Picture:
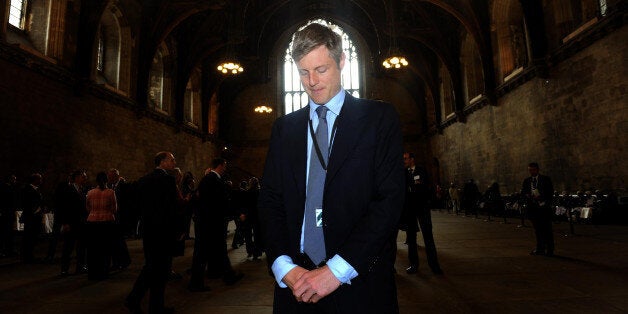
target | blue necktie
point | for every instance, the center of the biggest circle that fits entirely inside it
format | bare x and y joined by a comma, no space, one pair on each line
313,238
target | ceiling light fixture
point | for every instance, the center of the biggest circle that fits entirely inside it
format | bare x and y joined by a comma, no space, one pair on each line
395,59
230,67
234,37
263,109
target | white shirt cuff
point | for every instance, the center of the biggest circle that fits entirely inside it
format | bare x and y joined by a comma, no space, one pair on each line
281,266
341,269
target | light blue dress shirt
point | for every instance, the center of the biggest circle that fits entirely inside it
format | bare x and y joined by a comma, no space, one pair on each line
338,266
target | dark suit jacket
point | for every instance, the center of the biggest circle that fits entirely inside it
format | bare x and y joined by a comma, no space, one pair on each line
213,202
31,200
71,208
364,186
157,197
546,191
417,196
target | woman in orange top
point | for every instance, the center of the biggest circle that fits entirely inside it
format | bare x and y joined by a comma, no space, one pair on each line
101,206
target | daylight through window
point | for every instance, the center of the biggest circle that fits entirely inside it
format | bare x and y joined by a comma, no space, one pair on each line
295,97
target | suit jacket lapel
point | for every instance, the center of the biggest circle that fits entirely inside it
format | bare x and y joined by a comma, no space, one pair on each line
297,147
347,134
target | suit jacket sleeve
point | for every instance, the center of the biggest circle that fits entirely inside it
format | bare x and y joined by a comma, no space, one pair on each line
270,202
371,237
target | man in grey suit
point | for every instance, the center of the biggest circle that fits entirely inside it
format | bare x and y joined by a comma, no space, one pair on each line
331,200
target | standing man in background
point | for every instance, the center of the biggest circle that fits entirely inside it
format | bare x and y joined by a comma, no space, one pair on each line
210,246
538,192
331,199
8,198
157,198
31,216
416,207
71,214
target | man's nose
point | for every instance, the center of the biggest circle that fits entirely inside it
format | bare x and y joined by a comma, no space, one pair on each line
313,78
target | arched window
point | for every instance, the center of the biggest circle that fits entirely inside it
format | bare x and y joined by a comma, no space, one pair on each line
471,63
17,13
603,7
155,90
113,50
295,97
446,90
192,100
41,25
511,33
160,89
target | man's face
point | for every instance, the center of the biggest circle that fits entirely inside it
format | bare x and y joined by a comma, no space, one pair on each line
80,179
408,161
534,171
113,176
221,169
38,181
320,75
169,163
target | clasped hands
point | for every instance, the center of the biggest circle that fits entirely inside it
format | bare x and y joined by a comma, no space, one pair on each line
310,286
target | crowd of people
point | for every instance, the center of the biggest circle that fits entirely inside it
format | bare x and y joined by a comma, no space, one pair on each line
92,222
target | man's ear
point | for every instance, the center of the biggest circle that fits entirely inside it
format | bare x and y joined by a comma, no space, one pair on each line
341,64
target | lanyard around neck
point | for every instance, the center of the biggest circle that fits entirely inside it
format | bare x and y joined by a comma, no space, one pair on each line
317,148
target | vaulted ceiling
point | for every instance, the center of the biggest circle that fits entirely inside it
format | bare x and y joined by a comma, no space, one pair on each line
427,31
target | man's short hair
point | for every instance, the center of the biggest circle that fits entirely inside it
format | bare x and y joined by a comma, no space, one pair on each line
311,37
217,162
76,173
533,165
410,155
34,177
161,156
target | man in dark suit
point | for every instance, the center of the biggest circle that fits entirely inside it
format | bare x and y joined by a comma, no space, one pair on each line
416,207
157,197
348,178
210,246
8,200
71,214
538,192
120,257
31,216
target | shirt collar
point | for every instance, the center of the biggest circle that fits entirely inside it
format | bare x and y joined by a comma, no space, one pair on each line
334,105
218,174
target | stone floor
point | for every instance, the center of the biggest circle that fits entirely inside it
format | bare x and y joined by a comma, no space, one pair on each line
486,263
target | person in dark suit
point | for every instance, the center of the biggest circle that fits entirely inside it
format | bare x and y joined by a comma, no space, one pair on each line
31,201
157,198
416,208
120,257
210,246
348,177
72,213
8,200
538,192
470,195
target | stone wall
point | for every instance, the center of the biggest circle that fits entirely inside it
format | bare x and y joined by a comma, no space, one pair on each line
46,127
574,123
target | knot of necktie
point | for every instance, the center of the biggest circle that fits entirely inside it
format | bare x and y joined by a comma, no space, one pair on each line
321,111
